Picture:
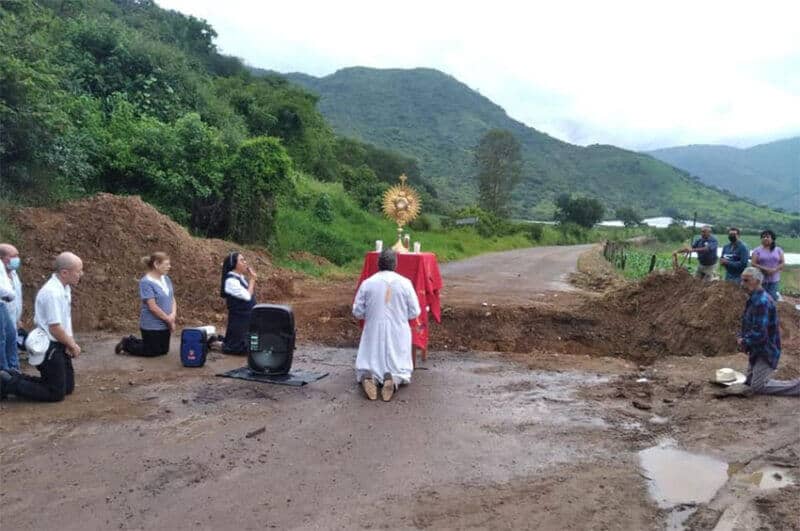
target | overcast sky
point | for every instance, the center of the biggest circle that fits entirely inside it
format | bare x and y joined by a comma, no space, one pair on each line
636,74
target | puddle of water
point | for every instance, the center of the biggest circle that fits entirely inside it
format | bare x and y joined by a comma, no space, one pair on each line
769,477
680,480
680,477
678,516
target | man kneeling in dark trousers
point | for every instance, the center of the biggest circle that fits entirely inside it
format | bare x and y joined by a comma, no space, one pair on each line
53,314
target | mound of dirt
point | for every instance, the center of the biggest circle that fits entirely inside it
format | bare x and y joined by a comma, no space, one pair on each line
675,313
664,314
111,234
595,273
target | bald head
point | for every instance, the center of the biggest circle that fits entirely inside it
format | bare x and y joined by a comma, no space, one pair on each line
69,268
7,251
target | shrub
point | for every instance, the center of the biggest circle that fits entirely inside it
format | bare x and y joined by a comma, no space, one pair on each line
676,232
423,222
335,248
323,209
535,232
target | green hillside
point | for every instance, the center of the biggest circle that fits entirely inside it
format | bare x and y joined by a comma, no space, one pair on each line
767,173
124,97
437,119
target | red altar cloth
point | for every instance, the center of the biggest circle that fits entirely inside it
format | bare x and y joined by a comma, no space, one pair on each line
422,270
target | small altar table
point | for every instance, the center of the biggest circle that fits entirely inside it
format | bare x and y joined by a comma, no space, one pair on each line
422,270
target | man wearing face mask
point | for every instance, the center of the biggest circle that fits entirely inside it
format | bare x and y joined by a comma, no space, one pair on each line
734,257
11,308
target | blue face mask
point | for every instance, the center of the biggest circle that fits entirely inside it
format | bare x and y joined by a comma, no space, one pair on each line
14,263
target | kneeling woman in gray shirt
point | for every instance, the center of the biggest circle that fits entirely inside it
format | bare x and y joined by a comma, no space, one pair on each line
157,314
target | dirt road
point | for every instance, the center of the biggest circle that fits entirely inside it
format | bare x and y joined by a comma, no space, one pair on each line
513,277
519,440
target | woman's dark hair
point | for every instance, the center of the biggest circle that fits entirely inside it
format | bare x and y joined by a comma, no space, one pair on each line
155,258
227,266
771,235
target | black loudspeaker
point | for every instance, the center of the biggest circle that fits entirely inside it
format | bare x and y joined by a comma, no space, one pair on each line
272,337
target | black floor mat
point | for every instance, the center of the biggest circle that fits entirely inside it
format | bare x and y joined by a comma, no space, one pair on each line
294,378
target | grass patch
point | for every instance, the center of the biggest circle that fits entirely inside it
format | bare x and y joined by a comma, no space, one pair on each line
790,281
8,232
789,245
340,232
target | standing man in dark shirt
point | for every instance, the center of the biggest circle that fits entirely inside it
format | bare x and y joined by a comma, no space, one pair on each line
706,248
734,256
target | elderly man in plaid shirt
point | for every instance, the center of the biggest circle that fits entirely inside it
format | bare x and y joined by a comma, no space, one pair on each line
760,338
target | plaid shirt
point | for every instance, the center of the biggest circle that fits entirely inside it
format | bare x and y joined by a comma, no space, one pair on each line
760,329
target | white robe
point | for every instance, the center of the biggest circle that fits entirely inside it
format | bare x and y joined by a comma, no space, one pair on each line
386,301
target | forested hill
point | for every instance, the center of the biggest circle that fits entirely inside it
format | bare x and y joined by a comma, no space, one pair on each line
768,173
122,96
434,117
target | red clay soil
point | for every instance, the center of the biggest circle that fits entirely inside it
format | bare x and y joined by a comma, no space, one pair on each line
111,234
665,314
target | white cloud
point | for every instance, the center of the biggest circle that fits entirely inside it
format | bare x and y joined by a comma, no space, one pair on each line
631,73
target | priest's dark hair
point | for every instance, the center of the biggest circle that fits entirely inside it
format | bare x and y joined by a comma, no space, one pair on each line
387,261
227,267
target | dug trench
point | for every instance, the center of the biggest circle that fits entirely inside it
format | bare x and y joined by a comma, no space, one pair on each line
524,413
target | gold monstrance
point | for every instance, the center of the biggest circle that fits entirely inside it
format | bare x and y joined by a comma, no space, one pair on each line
401,203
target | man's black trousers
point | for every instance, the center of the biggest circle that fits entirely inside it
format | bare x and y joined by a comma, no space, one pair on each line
56,381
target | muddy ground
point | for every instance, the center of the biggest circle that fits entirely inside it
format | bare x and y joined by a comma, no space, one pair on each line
529,414
478,440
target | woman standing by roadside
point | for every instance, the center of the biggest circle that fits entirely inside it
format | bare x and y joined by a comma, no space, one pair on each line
158,310
239,295
769,259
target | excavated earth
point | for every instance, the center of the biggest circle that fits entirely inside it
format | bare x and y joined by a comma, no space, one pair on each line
529,413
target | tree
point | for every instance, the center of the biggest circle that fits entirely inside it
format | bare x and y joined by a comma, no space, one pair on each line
499,169
629,216
259,173
582,211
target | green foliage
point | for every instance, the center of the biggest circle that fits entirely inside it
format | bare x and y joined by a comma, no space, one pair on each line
259,174
498,162
367,171
488,224
422,223
125,97
8,232
629,216
171,164
323,209
535,232
676,232
581,211
363,186
354,231
638,260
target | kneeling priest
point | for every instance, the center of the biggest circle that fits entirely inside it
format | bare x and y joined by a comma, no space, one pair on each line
386,301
